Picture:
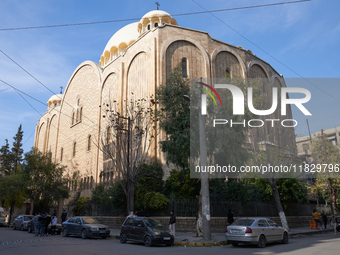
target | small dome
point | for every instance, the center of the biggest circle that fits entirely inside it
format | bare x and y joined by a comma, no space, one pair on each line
55,99
154,19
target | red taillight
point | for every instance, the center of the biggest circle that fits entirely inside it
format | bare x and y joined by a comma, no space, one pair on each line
248,230
226,229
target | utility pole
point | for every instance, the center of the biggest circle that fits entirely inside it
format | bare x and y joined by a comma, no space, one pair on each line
204,176
328,179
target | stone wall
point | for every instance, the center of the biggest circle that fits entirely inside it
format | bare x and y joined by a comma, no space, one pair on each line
218,224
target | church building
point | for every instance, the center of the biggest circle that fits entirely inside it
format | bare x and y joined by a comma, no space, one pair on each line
138,58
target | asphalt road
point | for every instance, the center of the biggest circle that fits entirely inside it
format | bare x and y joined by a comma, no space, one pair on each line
16,242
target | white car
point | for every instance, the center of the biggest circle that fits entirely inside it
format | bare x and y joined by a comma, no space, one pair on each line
259,231
21,222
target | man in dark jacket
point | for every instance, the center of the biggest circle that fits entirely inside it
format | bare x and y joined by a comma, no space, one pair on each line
172,223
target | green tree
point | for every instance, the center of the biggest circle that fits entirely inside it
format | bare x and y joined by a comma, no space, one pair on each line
180,186
44,177
5,159
327,182
17,151
173,115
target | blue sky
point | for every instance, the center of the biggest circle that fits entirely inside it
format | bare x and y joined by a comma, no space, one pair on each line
299,40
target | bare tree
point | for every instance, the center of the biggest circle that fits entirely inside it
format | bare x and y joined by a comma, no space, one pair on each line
127,141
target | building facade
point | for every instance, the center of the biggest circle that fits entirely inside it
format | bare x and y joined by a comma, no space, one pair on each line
138,58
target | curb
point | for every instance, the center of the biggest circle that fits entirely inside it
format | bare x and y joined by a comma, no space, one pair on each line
203,244
190,244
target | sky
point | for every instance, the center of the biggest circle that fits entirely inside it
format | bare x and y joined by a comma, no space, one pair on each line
298,40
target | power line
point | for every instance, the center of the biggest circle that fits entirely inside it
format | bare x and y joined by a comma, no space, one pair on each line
136,19
269,53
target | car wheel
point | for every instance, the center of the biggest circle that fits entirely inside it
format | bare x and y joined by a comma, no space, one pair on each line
285,238
104,237
262,242
122,238
147,241
234,244
65,232
170,244
84,233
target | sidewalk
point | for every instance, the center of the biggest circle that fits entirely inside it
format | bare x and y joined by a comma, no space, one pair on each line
218,239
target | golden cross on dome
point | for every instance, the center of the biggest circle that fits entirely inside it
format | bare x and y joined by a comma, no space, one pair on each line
61,89
157,5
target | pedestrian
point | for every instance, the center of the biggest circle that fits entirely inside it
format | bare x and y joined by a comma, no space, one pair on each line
141,213
36,224
316,217
47,222
324,219
172,223
230,216
63,216
42,220
54,224
334,223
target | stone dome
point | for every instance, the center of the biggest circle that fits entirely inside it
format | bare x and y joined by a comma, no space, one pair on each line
55,100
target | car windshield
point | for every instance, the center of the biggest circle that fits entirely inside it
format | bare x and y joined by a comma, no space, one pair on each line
90,221
243,222
153,223
27,218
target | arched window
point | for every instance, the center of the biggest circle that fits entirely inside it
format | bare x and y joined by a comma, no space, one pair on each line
184,68
156,24
81,114
61,153
74,149
149,27
72,118
227,72
77,116
89,143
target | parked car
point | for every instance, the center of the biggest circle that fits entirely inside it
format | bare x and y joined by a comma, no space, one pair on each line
145,230
85,227
258,231
21,221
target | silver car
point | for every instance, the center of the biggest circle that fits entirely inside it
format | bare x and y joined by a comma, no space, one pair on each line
259,231
21,222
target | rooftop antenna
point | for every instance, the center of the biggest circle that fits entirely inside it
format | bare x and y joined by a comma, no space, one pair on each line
157,5
61,89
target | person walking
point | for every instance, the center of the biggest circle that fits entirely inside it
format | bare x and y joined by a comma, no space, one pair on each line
334,223
54,224
42,220
63,216
230,216
324,219
36,224
47,222
172,223
316,217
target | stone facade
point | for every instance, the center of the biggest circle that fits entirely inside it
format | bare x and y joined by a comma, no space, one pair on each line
71,129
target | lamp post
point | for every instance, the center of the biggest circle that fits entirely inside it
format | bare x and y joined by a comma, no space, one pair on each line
204,177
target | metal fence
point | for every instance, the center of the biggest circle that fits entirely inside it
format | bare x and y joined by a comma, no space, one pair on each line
218,208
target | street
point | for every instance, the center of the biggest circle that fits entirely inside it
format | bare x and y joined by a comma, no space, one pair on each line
15,242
